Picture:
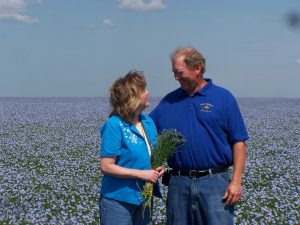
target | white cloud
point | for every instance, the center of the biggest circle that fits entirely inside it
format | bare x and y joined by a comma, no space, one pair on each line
108,23
18,18
14,10
140,5
298,61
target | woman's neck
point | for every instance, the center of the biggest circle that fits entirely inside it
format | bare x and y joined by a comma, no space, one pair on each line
136,119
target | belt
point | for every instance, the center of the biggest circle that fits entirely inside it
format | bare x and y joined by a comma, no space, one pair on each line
198,173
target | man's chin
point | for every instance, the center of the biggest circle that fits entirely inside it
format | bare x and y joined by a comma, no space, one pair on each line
184,88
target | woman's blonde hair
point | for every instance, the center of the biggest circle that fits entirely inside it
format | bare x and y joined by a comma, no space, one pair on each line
125,94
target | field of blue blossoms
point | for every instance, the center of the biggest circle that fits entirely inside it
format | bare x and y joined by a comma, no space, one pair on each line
49,161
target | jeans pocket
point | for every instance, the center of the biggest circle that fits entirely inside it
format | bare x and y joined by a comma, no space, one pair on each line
224,177
173,179
102,205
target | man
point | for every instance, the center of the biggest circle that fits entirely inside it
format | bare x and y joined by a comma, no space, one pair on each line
200,190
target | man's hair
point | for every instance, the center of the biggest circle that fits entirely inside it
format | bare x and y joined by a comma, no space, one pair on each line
192,58
125,94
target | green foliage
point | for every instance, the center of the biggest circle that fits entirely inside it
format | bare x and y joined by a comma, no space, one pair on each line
167,142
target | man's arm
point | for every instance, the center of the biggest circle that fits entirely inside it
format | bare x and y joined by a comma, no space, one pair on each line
233,192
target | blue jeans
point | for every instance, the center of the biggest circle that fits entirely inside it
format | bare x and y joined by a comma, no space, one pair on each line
113,212
198,201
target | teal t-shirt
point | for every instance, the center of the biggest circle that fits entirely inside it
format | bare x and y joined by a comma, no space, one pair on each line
121,139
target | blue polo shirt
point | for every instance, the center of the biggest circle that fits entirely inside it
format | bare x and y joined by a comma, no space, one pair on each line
210,121
123,140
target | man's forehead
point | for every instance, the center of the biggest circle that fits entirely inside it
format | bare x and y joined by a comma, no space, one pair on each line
179,59
179,65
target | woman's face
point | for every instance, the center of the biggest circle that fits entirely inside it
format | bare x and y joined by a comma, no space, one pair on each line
144,99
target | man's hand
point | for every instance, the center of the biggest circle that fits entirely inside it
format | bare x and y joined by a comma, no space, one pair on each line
233,193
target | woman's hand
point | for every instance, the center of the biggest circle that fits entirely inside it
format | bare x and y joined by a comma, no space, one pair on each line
152,175
149,175
108,166
161,170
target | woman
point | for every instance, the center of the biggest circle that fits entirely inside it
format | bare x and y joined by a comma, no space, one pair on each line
128,137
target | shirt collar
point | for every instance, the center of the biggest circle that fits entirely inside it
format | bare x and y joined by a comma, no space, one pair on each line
203,91
144,119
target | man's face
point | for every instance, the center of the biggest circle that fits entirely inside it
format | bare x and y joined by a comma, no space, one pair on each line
189,79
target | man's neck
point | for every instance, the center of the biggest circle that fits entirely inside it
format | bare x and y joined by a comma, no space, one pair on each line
200,85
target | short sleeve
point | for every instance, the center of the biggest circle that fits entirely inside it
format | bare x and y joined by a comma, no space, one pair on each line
236,127
111,137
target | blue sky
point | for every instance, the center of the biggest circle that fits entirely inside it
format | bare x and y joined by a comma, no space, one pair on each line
51,48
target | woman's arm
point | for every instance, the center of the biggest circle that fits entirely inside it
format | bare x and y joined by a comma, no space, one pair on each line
108,166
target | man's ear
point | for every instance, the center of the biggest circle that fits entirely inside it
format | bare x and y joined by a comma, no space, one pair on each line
199,70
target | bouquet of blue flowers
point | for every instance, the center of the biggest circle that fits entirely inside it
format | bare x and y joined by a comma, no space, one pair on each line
167,142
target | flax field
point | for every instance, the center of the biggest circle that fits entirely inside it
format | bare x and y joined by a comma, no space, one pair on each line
49,152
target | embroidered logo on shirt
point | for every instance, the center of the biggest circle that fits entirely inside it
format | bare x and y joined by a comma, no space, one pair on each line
128,134
206,107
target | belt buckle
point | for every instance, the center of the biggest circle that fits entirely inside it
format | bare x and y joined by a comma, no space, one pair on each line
192,173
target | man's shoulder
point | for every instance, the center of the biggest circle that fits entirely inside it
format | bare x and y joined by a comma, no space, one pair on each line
173,95
164,103
221,91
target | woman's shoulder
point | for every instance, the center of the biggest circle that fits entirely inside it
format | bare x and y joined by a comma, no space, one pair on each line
112,122
114,119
